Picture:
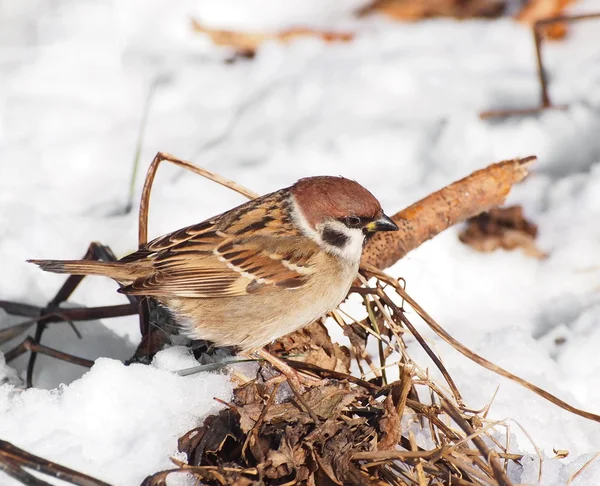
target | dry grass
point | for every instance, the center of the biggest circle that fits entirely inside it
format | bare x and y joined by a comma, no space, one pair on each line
351,429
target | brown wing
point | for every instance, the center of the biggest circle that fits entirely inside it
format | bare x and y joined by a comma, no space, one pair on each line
204,262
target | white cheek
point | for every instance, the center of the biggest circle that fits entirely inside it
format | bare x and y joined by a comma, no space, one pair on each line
353,248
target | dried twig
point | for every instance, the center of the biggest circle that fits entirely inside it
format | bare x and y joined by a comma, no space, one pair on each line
14,461
538,36
474,356
145,200
480,191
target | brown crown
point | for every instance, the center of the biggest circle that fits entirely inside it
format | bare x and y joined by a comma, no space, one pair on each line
325,197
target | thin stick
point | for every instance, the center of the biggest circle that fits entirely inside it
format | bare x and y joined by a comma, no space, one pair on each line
145,200
499,473
430,353
419,464
336,375
21,458
538,39
263,413
375,326
474,356
537,449
30,345
585,466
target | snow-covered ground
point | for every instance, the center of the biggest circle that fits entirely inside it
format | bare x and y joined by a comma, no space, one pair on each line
396,109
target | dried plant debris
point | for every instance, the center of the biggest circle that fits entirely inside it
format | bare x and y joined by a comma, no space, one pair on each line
246,43
419,9
313,345
535,10
530,11
505,228
366,428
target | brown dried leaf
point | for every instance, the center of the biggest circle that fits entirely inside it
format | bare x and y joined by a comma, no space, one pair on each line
389,425
281,461
357,336
248,393
504,228
315,347
242,481
336,458
248,42
218,437
418,9
326,402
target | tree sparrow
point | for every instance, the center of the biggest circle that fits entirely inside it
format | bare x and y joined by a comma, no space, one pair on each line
258,271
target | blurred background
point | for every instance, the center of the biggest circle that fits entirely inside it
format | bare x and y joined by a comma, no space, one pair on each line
404,96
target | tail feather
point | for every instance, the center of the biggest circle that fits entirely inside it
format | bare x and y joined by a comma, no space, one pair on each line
115,270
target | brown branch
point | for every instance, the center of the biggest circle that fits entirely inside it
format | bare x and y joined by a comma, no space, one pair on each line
468,197
145,199
13,460
29,344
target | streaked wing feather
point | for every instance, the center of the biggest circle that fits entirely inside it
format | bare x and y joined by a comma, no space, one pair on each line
236,267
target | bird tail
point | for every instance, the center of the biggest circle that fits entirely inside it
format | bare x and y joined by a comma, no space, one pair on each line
115,270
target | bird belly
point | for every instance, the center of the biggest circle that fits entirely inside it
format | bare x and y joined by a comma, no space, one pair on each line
254,320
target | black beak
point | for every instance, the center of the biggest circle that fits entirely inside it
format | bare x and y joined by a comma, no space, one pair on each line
384,223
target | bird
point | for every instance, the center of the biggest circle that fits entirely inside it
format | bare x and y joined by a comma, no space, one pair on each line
258,271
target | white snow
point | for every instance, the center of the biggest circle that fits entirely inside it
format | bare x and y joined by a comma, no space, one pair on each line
117,423
396,109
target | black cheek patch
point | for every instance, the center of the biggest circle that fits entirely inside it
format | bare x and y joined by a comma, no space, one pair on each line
334,238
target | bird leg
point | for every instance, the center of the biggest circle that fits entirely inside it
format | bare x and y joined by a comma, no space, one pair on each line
295,378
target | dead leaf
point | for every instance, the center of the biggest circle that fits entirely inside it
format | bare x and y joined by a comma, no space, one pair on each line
217,438
389,425
246,43
418,9
504,228
314,346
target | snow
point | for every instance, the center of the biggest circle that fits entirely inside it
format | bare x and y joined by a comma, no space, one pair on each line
396,109
117,423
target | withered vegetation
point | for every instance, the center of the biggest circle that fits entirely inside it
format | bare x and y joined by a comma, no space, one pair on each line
545,16
356,428
505,228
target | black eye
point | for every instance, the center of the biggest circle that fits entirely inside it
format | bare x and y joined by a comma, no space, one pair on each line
352,221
